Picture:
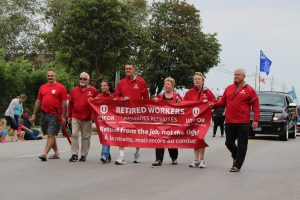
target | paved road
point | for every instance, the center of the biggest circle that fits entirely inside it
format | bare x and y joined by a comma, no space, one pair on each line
271,171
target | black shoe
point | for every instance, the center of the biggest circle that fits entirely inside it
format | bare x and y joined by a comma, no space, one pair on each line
74,158
157,163
43,157
82,159
214,135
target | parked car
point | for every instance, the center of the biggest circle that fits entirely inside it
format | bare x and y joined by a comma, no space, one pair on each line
278,115
298,118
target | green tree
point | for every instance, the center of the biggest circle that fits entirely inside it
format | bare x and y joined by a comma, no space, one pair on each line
17,77
178,47
18,25
93,36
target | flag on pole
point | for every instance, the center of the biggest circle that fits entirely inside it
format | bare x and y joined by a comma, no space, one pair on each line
292,93
265,63
262,79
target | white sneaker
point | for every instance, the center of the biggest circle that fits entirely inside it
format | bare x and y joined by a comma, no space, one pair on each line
202,164
103,159
194,164
120,161
136,158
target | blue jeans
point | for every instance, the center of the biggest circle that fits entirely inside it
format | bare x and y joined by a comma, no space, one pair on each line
31,136
106,152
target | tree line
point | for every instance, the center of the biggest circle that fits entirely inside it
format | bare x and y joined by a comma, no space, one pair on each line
163,38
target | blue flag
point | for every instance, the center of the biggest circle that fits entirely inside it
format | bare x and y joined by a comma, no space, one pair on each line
265,63
292,93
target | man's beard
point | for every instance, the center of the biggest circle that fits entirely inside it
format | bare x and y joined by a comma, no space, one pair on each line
82,85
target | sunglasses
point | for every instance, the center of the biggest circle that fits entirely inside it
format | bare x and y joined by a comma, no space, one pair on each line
84,79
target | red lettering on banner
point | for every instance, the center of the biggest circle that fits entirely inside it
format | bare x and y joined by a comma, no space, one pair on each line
150,124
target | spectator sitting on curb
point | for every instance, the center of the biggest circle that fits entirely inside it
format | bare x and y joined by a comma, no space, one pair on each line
3,130
30,134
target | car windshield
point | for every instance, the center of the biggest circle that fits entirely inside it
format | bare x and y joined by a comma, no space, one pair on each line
271,100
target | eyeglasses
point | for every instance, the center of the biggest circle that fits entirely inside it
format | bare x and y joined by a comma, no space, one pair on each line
84,79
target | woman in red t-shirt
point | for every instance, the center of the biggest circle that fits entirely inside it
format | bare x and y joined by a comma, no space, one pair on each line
200,94
107,94
171,96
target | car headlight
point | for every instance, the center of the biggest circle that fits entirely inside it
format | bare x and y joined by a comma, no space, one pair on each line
278,116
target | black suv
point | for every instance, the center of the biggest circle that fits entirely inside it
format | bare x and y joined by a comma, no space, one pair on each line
277,115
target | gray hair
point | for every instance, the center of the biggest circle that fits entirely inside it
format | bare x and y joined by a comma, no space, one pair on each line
86,74
241,70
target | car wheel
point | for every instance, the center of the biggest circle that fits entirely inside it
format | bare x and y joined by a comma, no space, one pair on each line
284,136
293,134
252,134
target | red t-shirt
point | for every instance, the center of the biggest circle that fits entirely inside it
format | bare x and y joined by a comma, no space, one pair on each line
175,99
238,102
108,96
135,89
194,94
52,97
78,103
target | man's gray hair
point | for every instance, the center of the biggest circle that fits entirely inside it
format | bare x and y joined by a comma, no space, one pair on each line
86,74
241,70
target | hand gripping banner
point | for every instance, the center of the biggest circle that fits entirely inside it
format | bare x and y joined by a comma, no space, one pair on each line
150,124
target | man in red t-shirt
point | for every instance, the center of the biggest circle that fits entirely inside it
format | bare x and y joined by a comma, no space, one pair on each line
238,99
80,116
130,88
51,99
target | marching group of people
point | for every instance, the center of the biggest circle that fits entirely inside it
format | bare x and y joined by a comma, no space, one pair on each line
237,99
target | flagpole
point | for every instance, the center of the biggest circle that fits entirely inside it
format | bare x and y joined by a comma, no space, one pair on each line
255,77
259,83
272,84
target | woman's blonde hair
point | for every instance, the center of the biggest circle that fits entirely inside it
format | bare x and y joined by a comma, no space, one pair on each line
199,74
22,96
3,122
171,80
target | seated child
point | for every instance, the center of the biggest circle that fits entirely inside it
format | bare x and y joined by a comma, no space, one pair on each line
3,130
21,133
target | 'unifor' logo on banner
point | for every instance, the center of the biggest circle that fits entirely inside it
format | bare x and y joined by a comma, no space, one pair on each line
196,111
103,109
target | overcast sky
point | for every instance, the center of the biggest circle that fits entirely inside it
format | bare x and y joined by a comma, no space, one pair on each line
246,27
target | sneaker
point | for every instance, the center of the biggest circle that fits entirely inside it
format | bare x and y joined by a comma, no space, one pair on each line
194,164
73,158
136,158
82,159
103,159
4,141
120,161
39,137
202,164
